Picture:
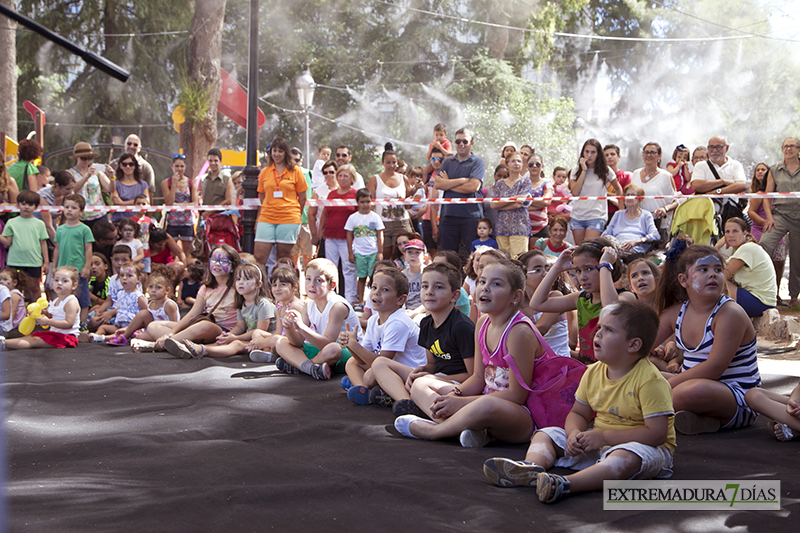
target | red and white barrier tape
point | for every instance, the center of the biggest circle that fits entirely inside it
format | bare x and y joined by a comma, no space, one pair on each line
255,203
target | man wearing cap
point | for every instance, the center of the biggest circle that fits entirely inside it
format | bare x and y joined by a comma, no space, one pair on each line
90,181
133,146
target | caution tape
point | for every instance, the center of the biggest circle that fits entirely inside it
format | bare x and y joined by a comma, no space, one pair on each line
255,203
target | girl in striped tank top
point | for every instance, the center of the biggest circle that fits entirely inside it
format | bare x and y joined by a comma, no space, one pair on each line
717,339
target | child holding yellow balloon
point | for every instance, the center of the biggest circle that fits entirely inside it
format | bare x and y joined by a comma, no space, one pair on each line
63,316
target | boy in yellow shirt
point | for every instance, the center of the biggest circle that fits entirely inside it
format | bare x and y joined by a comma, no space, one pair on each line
632,437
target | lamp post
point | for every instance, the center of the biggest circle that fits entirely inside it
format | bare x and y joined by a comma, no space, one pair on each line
250,181
305,86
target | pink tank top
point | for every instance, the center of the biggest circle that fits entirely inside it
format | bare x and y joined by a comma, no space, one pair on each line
496,372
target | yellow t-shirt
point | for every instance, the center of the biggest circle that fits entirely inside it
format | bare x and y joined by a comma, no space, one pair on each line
757,276
625,403
283,208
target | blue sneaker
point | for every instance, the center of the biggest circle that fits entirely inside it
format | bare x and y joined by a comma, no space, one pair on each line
283,366
346,383
358,395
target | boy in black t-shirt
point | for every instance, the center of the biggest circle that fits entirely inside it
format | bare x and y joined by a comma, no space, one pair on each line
448,337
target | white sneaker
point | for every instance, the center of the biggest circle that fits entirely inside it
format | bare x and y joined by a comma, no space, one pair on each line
94,337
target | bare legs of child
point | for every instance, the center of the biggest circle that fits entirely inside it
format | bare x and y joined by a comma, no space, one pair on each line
475,423
783,410
542,455
702,406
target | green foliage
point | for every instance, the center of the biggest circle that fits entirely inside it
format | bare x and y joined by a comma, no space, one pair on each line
195,99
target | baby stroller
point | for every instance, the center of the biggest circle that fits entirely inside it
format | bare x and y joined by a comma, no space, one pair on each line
697,218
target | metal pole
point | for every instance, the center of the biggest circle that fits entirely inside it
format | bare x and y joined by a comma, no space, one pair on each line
307,136
250,182
98,62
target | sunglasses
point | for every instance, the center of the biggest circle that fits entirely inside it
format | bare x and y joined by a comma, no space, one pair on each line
133,144
462,141
436,159
178,156
341,155
326,172
86,158
128,164
534,164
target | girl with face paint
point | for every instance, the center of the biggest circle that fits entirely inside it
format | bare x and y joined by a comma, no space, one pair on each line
716,336
217,297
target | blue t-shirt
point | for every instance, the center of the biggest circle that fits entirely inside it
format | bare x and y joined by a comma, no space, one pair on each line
471,167
488,242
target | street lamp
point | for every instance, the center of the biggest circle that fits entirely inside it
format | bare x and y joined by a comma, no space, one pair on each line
579,128
305,95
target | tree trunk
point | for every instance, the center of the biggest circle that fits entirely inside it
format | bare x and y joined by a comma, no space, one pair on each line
205,51
8,76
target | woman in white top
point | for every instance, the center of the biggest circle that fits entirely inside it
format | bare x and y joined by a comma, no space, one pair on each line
656,182
390,184
590,178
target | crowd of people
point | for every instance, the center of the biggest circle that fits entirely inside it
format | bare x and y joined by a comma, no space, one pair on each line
452,314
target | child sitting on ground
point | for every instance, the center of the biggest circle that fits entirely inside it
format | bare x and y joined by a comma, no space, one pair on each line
254,310
390,335
413,256
64,319
717,339
492,402
14,280
127,302
98,282
448,337
105,312
160,307
285,288
323,317
629,404
190,284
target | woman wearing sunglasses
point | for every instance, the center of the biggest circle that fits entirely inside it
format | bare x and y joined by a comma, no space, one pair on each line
128,184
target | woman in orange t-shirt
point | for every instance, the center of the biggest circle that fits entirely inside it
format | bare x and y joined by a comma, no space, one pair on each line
279,188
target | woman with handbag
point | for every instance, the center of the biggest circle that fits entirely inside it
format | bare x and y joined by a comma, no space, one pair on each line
213,312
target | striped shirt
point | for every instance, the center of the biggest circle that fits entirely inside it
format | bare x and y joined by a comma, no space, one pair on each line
743,368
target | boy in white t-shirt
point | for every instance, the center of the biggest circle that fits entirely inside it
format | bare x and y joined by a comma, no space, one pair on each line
310,333
390,333
364,241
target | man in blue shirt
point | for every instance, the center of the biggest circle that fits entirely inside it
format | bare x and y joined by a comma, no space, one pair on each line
461,176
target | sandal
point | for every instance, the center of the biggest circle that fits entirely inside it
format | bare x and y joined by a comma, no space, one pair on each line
551,487
198,351
785,431
118,340
140,346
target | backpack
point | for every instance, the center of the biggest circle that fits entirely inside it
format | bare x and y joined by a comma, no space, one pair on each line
552,391
221,229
